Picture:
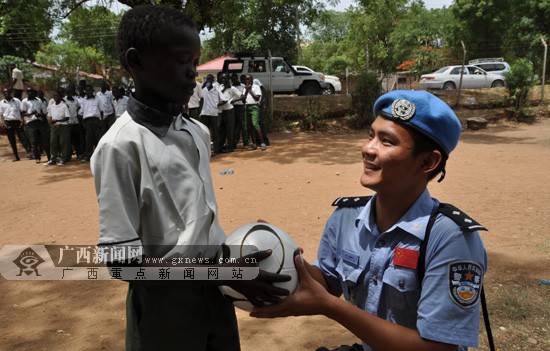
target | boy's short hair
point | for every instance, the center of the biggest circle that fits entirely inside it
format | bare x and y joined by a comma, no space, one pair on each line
144,26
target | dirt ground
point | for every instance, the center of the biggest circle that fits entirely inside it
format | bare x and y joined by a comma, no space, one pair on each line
498,175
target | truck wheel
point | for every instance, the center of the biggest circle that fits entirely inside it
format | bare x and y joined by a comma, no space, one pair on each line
310,89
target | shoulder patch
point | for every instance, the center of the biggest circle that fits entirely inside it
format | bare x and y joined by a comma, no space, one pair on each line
465,281
351,201
460,218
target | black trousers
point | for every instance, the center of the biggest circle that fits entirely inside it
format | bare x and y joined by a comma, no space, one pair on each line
93,134
39,137
14,128
179,318
77,141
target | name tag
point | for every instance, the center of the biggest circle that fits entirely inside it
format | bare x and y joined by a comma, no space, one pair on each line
350,257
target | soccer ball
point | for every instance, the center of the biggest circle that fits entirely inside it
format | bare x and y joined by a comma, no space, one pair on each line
262,236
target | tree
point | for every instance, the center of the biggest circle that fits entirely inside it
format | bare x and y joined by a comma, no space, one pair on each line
93,27
262,24
24,26
519,82
481,25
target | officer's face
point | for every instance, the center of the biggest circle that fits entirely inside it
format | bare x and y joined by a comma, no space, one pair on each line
388,163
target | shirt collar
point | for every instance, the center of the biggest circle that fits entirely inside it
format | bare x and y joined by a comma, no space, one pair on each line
156,121
414,221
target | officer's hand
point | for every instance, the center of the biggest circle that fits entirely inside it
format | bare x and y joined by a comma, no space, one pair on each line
261,289
310,297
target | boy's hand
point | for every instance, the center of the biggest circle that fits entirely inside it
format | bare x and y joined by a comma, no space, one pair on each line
261,289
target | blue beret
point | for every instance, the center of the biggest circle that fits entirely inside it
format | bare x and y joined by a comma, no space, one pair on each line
423,112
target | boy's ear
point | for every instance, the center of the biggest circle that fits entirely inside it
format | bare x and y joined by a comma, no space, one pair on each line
430,160
133,59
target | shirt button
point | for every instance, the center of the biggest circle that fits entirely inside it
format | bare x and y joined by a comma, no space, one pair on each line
375,281
401,284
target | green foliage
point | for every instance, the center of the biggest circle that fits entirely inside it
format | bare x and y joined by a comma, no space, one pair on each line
6,61
24,26
519,82
94,28
69,57
367,89
313,114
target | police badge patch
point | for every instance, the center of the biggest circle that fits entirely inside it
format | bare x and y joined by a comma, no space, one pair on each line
465,279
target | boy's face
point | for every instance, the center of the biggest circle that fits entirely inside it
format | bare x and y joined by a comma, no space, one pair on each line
167,73
388,162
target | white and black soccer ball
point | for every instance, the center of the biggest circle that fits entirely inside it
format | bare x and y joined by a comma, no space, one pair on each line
255,237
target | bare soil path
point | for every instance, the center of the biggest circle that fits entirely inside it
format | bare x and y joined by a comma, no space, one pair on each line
498,175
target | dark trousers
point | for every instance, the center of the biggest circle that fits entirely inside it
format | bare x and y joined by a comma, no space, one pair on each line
213,123
195,112
39,138
227,129
93,134
15,128
179,318
60,142
239,124
77,141
109,121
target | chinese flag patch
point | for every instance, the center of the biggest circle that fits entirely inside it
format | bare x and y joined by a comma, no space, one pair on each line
405,258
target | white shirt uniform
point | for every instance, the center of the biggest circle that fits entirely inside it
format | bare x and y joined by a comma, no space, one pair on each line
120,105
11,110
73,109
58,112
195,99
240,89
230,94
212,98
106,103
33,108
90,107
257,91
157,190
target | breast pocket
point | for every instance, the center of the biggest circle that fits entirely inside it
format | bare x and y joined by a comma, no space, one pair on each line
402,289
349,276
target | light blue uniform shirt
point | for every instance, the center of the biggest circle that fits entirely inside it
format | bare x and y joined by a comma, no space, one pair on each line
358,261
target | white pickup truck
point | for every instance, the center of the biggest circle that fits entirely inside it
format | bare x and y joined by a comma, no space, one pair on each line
282,77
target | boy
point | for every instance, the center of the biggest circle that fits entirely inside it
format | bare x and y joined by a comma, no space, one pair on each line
92,116
33,109
213,99
58,117
411,269
252,96
154,187
10,116
71,100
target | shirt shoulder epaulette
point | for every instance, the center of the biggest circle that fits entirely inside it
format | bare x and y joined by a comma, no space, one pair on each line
351,201
460,218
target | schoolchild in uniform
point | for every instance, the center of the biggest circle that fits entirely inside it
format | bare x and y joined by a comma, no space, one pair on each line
238,105
58,117
252,96
227,125
77,142
93,121
371,247
10,116
33,109
154,187
195,103
105,97
120,102
213,99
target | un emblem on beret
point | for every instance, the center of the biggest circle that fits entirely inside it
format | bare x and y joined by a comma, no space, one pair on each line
402,109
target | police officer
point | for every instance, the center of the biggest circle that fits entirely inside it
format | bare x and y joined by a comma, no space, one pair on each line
370,248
